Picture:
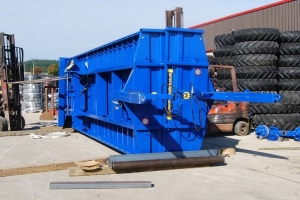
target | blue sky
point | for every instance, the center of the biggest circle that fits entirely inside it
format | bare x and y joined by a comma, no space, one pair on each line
49,29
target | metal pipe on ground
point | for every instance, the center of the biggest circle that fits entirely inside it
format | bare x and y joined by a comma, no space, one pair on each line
165,163
100,185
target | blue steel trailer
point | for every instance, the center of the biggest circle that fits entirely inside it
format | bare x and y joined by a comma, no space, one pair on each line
144,93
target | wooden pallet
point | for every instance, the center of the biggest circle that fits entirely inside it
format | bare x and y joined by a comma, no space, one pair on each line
77,171
42,168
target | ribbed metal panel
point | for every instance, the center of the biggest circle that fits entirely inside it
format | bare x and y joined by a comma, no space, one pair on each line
284,17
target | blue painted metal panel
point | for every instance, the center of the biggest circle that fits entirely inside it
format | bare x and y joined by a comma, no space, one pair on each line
273,133
62,93
147,92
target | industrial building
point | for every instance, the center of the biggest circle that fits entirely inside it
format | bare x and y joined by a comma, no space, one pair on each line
283,15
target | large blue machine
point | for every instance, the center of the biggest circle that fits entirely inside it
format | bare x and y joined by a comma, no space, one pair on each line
144,93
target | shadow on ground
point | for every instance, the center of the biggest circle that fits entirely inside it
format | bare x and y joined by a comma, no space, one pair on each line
218,141
37,125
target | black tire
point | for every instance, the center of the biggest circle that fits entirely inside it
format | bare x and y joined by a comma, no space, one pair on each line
249,72
281,121
257,84
290,97
289,61
6,125
259,34
241,128
224,74
289,103
224,61
255,60
256,47
222,51
290,36
22,122
210,59
3,124
224,39
250,84
225,83
289,84
289,72
289,49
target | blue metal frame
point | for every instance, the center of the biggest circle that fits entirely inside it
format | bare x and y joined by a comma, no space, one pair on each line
273,133
147,92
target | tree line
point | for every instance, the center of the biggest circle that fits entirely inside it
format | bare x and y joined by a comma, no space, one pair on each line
42,66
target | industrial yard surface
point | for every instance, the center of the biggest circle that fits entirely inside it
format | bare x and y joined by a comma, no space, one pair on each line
249,174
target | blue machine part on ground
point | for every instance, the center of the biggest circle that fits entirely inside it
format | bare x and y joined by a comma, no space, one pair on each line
273,133
144,93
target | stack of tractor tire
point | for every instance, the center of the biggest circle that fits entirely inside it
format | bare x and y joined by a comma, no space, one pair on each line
224,49
265,60
256,56
284,114
223,55
255,60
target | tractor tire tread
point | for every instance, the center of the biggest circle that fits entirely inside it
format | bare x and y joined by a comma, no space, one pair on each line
256,34
225,50
290,36
210,59
256,47
289,84
288,72
289,103
224,39
227,60
250,84
289,49
289,61
281,121
255,60
249,72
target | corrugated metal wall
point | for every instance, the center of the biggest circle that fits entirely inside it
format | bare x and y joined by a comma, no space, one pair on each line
285,17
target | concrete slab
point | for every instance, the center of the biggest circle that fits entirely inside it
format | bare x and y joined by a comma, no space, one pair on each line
250,174
32,120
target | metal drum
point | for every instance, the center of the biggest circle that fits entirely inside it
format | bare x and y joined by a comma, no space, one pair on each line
55,101
32,95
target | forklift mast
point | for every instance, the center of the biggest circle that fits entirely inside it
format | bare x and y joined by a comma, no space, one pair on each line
11,70
174,18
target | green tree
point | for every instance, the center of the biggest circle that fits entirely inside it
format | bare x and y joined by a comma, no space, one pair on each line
53,70
37,70
43,63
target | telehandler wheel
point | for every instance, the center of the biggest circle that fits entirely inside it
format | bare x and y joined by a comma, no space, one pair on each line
241,128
